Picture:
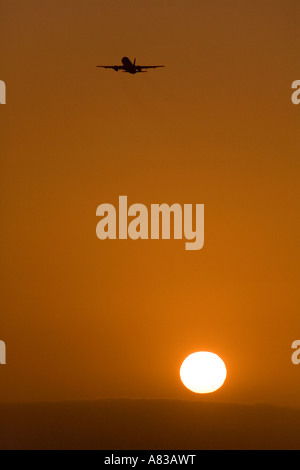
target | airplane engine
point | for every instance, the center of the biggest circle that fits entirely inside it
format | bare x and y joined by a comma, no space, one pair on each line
116,69
138,69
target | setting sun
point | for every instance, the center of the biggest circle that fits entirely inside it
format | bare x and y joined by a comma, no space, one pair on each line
203,372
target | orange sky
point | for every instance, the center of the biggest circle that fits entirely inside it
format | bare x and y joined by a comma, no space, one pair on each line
84,318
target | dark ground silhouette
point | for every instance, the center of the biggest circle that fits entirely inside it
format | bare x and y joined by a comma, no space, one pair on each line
148,424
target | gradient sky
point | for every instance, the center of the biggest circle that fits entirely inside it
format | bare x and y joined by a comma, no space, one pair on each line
84,318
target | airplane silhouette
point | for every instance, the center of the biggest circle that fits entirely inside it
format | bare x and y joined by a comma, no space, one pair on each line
130,67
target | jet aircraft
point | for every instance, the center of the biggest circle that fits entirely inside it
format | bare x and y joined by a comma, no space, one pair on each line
130,67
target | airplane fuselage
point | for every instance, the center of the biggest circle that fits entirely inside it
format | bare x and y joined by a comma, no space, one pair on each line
128,65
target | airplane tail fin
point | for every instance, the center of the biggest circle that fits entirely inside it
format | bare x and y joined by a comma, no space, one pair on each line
134,61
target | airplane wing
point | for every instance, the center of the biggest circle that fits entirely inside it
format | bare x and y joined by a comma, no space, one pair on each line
149,66
114,67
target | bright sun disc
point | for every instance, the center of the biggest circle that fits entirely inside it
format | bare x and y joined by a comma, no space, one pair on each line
203,372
